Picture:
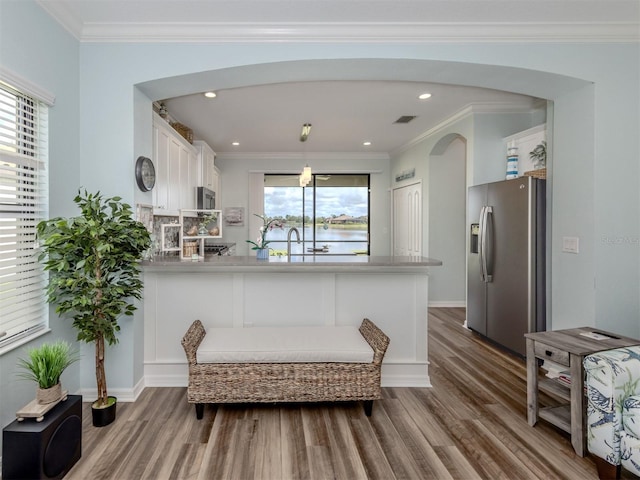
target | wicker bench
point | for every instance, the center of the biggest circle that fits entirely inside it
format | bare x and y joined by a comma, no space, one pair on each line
284,382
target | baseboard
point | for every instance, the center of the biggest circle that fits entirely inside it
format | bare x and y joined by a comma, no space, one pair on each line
122,394
448,304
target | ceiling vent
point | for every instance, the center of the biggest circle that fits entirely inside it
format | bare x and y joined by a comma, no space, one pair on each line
405,119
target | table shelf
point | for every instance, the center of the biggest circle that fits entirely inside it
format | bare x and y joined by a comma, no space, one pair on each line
555,388
559,416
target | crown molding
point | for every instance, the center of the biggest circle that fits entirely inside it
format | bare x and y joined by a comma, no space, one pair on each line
65,16
363,32
299,156
471,109
343,32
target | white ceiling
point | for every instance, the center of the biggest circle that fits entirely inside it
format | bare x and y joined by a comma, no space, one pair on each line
343,114
268,118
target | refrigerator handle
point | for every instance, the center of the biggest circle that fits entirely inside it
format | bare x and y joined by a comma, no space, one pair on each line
487,250
481,238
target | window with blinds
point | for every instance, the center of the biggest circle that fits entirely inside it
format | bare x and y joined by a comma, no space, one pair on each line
23,203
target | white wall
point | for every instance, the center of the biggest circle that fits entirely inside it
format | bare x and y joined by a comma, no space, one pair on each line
447,224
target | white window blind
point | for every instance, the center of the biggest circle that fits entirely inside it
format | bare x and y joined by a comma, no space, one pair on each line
23,203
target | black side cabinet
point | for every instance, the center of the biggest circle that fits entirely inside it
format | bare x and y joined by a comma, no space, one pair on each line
46,449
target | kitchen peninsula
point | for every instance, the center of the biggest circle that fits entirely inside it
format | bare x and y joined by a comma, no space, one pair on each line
242,292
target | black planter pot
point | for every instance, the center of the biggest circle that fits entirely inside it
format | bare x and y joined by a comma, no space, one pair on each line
104,416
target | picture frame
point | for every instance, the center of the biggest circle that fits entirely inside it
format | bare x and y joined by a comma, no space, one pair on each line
145,216
234,217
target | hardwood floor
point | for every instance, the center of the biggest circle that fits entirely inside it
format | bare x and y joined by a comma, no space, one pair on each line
470,424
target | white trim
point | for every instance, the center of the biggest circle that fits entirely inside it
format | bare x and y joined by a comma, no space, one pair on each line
448,304
310,157
471,109
525,133
24,340
122,394
348,32
26,87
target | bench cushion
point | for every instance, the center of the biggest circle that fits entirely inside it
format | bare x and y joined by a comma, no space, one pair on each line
284,345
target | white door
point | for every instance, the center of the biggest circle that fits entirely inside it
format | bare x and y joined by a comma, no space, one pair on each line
407,220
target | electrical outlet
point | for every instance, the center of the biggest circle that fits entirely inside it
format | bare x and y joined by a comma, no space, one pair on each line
570,244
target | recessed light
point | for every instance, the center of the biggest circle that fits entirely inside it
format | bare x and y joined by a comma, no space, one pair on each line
235,144
424,96
366,144
210,94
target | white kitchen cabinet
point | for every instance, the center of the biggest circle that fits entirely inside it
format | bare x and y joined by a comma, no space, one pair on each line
209,174
176,163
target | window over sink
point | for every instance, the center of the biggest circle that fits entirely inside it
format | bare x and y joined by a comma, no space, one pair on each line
331,213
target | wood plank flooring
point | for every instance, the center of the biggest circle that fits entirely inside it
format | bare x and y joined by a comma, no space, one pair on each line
471,424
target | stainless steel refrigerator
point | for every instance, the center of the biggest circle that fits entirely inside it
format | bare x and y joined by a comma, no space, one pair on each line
506,260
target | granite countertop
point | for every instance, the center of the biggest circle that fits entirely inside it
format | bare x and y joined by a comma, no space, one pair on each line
298,263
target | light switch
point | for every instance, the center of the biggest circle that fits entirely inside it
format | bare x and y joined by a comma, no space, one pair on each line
570,244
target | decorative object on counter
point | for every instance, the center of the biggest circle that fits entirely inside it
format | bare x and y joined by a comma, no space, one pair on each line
145,216
183,130
44,366
234,216
170,233
512,161
199,225
262,253
203,223
539,156
261,242
190,248
93,262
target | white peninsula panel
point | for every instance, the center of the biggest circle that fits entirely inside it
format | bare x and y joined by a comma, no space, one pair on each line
242,292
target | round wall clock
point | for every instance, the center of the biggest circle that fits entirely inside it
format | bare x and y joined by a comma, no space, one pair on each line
145,174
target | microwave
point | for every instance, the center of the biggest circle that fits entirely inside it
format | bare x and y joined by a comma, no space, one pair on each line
205,198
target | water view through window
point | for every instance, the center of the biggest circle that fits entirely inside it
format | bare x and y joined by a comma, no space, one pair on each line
331,213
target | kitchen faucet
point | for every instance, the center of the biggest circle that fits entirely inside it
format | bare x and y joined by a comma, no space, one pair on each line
291,230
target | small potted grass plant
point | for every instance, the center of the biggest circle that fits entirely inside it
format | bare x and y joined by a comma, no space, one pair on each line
44,365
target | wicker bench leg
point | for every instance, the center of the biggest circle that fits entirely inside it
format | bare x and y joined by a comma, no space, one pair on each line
368,406
199,410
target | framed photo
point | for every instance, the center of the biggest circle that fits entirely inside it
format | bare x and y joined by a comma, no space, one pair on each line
234,216
145,216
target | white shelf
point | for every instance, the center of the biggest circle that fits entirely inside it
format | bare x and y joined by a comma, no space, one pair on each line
187,242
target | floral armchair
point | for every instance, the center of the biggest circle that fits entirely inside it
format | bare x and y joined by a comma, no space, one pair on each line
613,410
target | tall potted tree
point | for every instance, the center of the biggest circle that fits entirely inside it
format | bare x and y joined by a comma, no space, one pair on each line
94,275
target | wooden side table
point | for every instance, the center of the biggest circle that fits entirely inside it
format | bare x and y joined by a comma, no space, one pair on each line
568,348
